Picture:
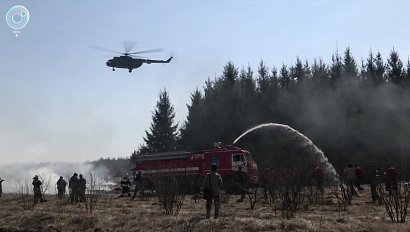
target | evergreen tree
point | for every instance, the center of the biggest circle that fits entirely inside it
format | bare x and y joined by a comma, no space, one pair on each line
380,68
229,75
369,69
274,79
395,72
263,77
319,71
285,79
336,67
163,132
191,132
297,72
349,65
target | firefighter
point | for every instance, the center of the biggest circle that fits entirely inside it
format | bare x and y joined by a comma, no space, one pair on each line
359,174
242,178
392,179
37,189
82,185
213,184
374,179
139,184
349,179
1,188
73,186
265,176
319,175
125,185
61,185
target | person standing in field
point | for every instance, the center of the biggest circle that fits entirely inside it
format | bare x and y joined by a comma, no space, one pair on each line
61,185
242,179
81,188
213,186
1,188
392,179
139,184
73,186
37,189
125,185
359,174
374,179
319,175
349,179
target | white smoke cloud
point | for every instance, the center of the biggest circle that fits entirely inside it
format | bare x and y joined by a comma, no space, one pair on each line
23,173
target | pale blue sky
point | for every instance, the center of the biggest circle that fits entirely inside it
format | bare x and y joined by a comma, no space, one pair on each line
59,102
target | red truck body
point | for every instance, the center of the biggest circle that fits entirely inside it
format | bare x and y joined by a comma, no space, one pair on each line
197,164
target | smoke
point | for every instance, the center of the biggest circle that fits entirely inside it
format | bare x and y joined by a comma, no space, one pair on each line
17,174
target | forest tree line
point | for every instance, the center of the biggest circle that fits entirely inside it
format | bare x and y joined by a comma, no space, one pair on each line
354,112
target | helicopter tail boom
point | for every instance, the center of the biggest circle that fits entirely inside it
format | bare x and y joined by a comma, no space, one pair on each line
158,61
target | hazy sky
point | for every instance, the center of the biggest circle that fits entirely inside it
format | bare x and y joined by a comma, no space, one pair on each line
59,102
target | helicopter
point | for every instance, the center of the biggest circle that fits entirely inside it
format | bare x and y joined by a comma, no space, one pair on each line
128,60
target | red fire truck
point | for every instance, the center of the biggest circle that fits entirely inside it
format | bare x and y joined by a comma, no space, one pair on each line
196,164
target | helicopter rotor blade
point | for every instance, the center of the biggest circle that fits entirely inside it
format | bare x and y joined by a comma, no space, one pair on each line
147,51
138,57
104,49
129,45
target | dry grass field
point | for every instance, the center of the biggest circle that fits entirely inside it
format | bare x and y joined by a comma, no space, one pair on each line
122,214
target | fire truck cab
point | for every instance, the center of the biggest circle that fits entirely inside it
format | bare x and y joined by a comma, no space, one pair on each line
196,164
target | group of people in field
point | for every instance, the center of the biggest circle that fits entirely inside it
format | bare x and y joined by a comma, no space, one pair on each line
76,184
354,175
126,185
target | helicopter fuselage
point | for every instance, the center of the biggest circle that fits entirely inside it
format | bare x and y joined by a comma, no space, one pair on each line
125,62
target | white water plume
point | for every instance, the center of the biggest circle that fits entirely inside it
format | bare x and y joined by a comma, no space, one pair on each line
306,142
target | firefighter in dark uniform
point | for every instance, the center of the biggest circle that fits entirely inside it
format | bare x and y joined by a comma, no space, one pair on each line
374,179
242,179
73,185
1,188
264,180
61,185
139,184
81,188
392,179
37,189
125,185
319,175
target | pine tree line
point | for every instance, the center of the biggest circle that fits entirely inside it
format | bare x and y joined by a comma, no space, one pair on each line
352,112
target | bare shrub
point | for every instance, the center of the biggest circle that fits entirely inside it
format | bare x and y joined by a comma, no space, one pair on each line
109,199
252,193
170,192
93,193
340,191
25,195
288,190
396,204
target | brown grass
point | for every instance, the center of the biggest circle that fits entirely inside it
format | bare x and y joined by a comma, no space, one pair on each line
121,214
